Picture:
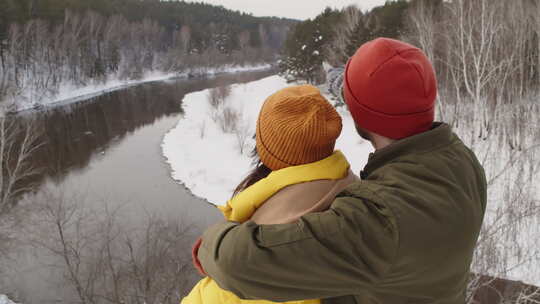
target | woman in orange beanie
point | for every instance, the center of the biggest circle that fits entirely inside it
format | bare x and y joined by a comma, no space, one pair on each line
295,161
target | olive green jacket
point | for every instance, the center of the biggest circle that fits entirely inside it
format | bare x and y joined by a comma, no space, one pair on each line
404,234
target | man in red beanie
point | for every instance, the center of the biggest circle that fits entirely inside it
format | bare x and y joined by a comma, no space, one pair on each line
404,234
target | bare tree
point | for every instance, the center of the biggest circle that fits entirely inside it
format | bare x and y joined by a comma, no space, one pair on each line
17,144
38,59
528,295
218,96
185,38
228,119
345,35
243,135
422,22
510,224
487,92
107,260
535,11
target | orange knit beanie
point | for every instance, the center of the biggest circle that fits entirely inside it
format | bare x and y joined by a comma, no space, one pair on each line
296,126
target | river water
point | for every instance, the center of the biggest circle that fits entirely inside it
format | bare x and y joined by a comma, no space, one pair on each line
107,149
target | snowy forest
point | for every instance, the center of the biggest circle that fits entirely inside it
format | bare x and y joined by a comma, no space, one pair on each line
45,45
105,195
487,59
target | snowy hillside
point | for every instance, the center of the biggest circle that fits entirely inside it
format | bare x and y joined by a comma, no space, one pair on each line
5,300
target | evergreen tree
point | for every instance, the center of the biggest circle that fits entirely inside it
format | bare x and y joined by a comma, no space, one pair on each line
304,48
335,35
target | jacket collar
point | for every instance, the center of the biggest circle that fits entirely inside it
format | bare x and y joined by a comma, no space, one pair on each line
439,135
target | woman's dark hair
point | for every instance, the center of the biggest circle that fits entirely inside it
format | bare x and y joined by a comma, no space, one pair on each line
259,172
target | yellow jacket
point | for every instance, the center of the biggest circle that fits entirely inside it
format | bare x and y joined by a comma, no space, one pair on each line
312,187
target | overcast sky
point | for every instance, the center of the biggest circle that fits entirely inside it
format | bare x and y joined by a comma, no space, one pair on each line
296,9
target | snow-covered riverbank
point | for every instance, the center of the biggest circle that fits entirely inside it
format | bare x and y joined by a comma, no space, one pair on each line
5,300
208,161
69,93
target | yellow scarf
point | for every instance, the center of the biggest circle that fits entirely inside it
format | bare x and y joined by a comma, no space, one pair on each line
241,207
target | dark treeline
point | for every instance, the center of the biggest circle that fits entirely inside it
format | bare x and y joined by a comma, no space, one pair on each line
334,36
47,44
204,20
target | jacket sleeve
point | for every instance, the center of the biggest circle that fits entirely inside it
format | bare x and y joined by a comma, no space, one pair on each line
334,253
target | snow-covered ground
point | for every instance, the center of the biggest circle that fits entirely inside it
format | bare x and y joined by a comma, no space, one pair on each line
69,93
208,161
5,300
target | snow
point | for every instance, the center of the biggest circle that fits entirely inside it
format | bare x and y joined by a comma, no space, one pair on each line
5,300
208,161
316,53
304,47
69,93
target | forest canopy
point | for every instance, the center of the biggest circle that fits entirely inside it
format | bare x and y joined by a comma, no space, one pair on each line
203,19
47,46
334,36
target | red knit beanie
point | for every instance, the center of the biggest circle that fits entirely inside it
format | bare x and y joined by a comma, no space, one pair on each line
390,88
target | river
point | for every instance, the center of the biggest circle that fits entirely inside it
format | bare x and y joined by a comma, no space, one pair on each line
107,150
